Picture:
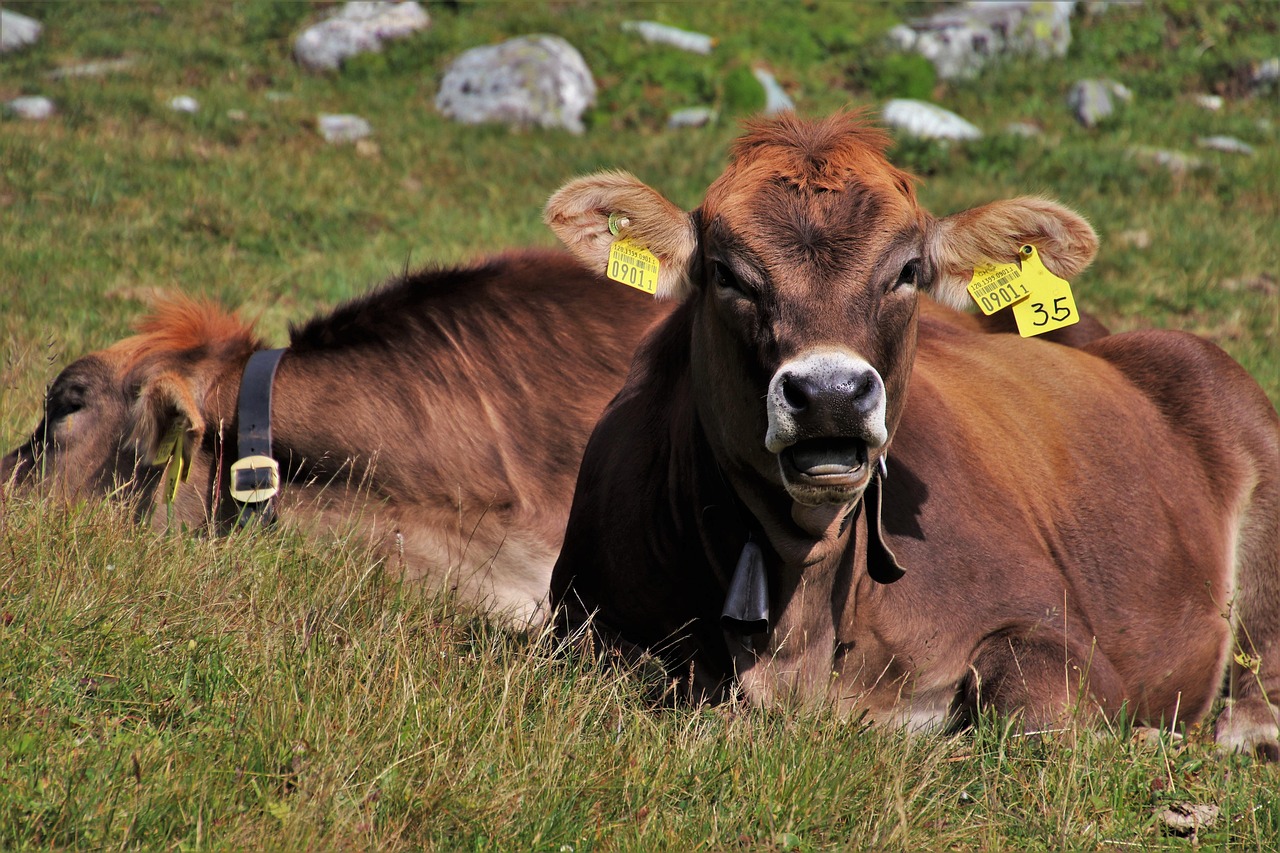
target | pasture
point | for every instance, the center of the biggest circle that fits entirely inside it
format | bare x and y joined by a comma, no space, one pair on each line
261,690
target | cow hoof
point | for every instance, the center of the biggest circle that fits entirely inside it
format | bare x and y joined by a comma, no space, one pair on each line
1249,727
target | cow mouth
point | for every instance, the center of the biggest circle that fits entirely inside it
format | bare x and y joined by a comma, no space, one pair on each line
826,461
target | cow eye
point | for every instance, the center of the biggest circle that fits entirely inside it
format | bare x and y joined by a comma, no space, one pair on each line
725,278
909,275
67,403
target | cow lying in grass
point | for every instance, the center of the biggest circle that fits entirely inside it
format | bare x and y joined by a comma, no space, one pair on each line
443,416
1097,524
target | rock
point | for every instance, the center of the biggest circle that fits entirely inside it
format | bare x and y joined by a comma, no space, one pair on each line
1176,162
17,31
1209,102
1090,100
358,27
1138,238
533,80
1022,128
927,121
342,128
92,69
31,107
237,115
1228,144
184,104
655,33
692,117
960,41
776,100
1188,818
1267,73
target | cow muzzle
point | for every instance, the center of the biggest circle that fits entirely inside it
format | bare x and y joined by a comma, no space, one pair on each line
826,419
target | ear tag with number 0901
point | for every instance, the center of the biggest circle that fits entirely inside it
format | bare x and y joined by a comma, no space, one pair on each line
1050,305
996,286
633,265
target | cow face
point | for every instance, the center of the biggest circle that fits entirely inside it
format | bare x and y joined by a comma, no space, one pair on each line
804,263
114,420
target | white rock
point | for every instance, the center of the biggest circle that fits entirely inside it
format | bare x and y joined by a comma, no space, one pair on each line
655,33
1268,71
32,107
1177,162
92,69
1228,144
776,99
184,104
17,31
960,40
1022,128
237,115
358,27
342,127
1209,102
691,117
927,121
1090,100
1188,818
529,81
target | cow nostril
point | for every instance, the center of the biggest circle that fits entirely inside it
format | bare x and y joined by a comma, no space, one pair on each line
794,393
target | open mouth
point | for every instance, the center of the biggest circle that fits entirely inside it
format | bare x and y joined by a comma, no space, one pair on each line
826,460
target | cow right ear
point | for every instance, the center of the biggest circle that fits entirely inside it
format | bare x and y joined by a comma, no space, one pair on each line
580,213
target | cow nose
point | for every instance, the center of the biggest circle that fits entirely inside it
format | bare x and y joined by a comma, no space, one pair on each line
854,388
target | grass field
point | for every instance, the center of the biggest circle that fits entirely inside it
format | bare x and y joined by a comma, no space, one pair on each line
259,690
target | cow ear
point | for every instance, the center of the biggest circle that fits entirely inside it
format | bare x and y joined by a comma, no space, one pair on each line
580,211
993,233
166,419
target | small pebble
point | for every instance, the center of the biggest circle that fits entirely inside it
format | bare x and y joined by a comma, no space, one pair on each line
343,128
32,107
184,104
1227,144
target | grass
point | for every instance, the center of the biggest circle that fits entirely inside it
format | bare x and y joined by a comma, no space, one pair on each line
261,690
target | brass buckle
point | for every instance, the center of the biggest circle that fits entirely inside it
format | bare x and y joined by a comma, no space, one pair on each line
262,480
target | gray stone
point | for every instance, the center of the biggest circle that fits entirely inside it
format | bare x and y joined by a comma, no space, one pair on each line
342,128
101,68
184,104
1209,102
32,107
655,33
17,31
776,99
691,117
960,41
529,81
1268,71
1022,128
927,121
1177,162
358,27
1187,819
1090,100
1227,144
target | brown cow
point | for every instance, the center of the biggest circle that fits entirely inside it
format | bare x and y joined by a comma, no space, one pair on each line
1094,528
444,415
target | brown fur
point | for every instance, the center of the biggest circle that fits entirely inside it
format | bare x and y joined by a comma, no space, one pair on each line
1089,526
441,418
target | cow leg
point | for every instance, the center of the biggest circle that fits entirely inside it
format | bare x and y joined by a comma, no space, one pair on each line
1250,721
1044,675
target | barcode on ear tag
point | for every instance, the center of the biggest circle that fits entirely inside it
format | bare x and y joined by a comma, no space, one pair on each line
996,286
633,265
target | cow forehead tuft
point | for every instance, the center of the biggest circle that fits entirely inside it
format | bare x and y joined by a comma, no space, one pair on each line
179,324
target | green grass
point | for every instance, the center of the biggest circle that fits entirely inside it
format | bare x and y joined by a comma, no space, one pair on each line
265,691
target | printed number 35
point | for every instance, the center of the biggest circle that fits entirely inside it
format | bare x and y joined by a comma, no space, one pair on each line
1060,311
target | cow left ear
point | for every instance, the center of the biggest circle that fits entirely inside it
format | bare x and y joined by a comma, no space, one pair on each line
166,420
580,213
994,233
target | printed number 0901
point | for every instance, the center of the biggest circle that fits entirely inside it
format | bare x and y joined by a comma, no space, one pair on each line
1060,311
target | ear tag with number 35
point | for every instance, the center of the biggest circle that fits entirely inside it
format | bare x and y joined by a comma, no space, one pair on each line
1050,305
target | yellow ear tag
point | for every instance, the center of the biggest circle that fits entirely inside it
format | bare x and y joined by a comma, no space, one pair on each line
996,286
633,265
1050,305
172,453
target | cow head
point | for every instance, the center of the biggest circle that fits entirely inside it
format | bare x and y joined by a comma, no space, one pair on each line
804,264
115,420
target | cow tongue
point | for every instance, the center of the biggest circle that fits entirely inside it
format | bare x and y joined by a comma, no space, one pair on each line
819,456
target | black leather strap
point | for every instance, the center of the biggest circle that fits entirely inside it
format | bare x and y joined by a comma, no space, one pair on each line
253,436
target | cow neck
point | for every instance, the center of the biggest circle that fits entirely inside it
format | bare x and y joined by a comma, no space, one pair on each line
776,556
